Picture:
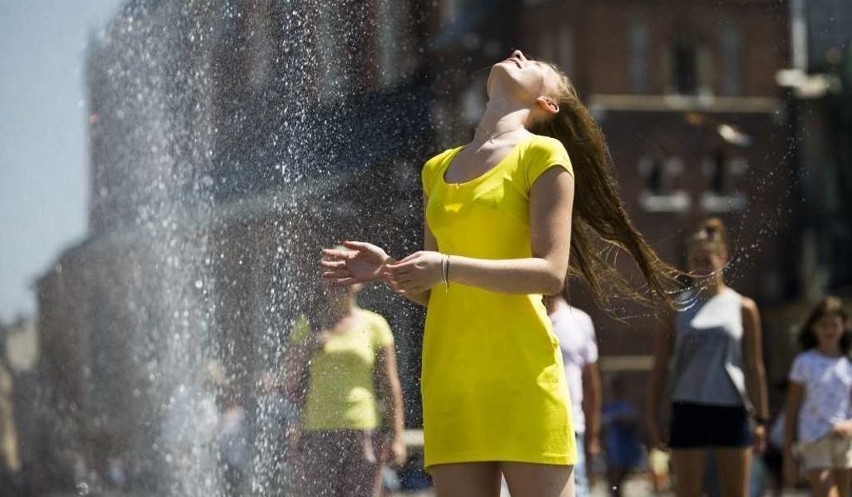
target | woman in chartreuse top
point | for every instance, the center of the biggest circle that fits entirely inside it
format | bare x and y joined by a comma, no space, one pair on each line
501,220
353,398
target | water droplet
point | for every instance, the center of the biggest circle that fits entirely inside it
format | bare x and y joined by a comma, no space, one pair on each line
199,284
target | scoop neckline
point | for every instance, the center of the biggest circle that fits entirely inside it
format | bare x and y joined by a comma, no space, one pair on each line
484,174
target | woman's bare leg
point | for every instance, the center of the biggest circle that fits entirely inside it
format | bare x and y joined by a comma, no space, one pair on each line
842,480
734,465
822,483
538,480
688,465
470,479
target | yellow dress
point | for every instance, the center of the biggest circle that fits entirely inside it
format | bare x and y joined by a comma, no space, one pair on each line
492,381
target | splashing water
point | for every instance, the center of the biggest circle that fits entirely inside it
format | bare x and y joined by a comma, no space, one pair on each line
214,183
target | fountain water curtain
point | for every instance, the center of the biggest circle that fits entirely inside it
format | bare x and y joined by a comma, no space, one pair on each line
205,143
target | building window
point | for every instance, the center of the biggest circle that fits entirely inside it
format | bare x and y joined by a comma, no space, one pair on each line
718,183
692,68
722,171
639,57
731,46
656,179
685,68
659,186
390,17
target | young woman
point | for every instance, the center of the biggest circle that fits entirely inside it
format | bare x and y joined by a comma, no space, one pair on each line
500,221
718,378
820,402
352,382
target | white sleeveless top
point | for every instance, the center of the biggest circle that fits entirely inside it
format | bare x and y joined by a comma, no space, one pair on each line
708,358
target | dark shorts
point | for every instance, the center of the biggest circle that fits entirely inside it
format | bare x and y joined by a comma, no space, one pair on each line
339,463
696,426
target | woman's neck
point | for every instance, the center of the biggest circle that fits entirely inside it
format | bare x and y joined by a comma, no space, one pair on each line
500,116
829,349
340,310
714,287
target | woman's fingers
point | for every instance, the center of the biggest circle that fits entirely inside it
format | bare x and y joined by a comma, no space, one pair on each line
400,270
337,253
403,281
346,281
332,264
338,273
359,246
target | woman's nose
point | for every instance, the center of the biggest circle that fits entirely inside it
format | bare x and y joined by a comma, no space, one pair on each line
519,54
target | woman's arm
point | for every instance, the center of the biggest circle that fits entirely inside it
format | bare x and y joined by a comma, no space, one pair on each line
755,373
390,391
663,346
591,379
795,395
551,203
365,262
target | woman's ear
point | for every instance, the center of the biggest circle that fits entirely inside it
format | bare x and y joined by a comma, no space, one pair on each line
548,105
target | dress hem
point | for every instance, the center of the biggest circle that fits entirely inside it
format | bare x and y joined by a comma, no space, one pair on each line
556,460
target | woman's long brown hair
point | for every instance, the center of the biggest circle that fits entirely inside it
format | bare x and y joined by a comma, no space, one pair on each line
599,221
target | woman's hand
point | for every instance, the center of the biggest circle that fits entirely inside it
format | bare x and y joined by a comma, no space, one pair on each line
843,429
759,439
398,452
362,263
416,273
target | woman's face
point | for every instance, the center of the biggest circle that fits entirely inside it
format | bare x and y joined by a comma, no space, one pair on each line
521,76
336,296
706,259
828,329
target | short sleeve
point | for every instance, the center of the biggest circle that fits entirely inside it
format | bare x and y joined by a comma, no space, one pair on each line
544,153
798,372
432,168
301,330
426,179
382,336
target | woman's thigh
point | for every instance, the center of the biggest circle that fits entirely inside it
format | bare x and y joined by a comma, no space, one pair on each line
733,464
822,482
688,466
843,480
538,480
470,479
338,463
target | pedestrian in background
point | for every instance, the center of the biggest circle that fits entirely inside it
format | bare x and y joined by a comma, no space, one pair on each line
819,403
576,333
622,427
352,381
500,221
718,393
